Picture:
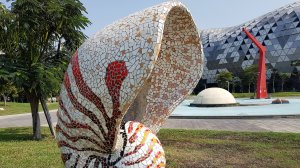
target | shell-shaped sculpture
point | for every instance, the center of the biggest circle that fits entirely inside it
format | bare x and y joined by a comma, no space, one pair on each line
136,69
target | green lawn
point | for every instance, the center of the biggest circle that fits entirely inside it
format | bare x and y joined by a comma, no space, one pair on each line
273,95
197,148
19,108
184,148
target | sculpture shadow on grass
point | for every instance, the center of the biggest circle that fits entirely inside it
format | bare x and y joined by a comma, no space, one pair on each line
15,134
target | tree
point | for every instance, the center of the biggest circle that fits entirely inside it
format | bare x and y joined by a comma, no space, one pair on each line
37,38
274,76
6,88
295,79
249,76
295,63
284,77
223,79
236,82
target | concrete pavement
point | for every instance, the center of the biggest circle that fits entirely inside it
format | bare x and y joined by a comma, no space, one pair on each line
259,124
24,120
255,125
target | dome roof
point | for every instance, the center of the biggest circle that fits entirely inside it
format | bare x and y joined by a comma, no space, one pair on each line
214,97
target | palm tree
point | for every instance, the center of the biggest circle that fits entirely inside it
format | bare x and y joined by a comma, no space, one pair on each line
223,79
284,77
273,77
249,76
236,82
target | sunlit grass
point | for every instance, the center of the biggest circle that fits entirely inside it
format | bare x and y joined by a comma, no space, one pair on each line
183,148
19,108
273,95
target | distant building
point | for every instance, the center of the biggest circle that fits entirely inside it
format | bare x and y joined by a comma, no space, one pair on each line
229,49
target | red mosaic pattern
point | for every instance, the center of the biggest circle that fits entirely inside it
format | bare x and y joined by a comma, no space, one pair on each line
115,74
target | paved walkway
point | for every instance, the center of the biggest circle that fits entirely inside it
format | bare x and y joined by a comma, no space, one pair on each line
272,124
24,120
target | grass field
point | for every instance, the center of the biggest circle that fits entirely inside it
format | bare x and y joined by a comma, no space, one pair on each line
184,148
273,95
19,108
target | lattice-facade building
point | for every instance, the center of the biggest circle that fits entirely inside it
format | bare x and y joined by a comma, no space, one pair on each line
229,49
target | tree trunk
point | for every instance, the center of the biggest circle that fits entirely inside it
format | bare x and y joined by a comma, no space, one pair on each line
274,85
36,123
249,87
47,115
4,98
58,49
282,86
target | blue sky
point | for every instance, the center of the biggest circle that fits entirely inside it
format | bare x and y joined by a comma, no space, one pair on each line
207,13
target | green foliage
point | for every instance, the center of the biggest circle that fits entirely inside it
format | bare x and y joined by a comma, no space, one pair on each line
295,63
274,78
236,82
224,78
249,76
284,77
6,86
37,38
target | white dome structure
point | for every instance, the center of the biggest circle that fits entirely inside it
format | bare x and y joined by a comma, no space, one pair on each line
214,97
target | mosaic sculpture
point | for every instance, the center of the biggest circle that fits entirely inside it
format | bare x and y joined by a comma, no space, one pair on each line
123,83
